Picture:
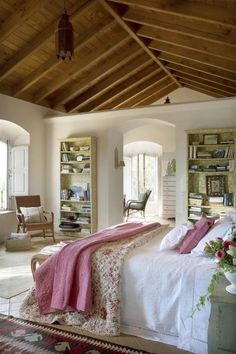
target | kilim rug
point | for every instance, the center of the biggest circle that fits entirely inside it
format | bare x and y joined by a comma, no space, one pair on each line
23,337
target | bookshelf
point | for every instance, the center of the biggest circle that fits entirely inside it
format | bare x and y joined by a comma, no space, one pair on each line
78,199
211,172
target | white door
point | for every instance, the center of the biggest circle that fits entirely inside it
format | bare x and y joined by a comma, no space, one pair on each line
20,170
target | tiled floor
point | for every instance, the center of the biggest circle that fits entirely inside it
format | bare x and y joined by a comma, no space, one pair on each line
11,306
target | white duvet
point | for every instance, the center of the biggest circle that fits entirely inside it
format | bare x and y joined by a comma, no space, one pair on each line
159,291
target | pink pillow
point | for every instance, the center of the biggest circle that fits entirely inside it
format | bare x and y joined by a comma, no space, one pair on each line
192,237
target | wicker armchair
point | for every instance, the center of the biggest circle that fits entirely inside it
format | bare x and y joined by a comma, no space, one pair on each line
133,206
42,220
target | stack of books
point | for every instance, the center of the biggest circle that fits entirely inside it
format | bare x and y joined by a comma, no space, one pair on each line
216,200
83,220
66,169
86,208
203,155
197,199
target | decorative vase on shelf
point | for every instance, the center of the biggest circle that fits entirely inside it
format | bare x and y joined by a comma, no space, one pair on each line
231,277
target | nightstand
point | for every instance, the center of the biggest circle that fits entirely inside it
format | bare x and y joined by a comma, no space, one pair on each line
222,323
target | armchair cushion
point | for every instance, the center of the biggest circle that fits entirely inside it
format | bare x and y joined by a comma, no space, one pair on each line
33,214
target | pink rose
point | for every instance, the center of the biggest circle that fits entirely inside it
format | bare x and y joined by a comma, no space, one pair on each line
226,244
220,254
219,239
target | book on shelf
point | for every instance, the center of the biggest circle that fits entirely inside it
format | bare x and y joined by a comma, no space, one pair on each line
229,141
195,195
204,154
192,152
84,148
231,165
228,199
216,199
65,146
196,202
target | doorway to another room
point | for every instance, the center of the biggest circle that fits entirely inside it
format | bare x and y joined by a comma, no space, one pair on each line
142,172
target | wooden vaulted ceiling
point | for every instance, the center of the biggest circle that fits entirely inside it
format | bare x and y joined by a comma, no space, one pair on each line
128,53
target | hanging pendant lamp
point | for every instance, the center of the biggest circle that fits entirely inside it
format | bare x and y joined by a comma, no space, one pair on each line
167,100
64,37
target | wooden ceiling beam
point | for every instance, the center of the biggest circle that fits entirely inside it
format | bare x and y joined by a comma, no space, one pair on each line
130,69
137,94
205,58
156,96
128,29
22,12
38,41
75,68
194,10
139,86
52,62
206,83
176,69
202,90
205,87
163,39
175,25
118,39
123,88
192,64
95,75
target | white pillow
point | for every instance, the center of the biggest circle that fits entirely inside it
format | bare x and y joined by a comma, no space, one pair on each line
33,214
174,237
220,229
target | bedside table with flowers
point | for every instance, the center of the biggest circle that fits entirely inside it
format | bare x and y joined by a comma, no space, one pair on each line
222,295
222,328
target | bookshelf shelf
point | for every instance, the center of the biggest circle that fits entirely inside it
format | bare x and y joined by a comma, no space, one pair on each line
78,202
211,174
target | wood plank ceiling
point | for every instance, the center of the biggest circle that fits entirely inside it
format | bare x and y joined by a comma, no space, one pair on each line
128,53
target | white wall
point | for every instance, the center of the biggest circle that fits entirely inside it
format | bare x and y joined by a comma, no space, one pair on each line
29,117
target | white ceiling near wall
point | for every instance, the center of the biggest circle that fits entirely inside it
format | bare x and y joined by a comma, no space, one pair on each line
13,133
144,147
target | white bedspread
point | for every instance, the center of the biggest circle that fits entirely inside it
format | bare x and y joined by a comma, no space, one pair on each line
167,286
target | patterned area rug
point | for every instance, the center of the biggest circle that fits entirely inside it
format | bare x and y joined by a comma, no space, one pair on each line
23,337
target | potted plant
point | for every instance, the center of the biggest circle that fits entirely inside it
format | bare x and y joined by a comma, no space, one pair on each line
224,252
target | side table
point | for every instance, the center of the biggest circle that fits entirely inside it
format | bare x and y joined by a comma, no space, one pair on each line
222,323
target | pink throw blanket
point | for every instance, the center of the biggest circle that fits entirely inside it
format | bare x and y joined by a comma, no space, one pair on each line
63,281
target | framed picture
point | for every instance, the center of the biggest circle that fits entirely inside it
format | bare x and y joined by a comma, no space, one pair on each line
215,185
210,139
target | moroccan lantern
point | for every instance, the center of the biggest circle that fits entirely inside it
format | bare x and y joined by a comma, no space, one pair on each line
64,38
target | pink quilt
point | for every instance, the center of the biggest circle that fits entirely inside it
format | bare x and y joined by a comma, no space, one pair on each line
63,282
106,270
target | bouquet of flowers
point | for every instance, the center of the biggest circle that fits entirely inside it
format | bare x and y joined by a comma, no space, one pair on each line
224,251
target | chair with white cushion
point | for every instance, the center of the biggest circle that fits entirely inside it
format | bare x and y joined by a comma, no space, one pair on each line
31,216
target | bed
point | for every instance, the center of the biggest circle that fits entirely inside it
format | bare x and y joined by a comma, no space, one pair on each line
163,285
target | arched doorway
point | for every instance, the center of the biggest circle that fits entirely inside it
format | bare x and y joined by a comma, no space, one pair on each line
149,145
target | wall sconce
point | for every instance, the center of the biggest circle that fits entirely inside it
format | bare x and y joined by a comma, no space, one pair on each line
117,162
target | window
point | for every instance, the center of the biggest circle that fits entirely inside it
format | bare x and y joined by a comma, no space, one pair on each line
3,175
13,173
140,174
